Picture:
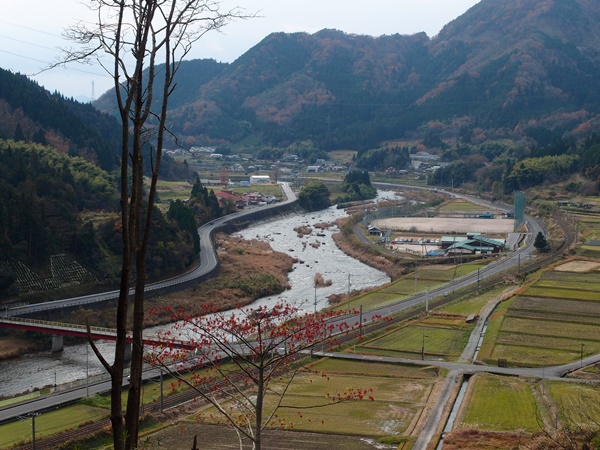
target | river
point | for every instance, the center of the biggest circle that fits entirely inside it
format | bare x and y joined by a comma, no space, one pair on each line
44,368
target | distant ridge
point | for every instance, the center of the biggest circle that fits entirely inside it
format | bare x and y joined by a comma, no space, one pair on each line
502,66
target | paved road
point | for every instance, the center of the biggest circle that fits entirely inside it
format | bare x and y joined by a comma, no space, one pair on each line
207,264
511,261
52,401
209,257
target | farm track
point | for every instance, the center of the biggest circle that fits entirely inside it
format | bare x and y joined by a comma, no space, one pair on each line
174,400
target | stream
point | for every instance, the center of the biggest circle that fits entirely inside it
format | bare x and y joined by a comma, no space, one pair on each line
36,370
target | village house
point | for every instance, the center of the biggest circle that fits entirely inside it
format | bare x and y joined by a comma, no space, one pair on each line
471,244
231,196
260,179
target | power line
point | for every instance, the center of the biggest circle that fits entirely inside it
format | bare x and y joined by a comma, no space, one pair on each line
23,56
28,43
30,29
46,63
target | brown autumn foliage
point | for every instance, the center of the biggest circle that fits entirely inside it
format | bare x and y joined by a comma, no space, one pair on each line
13,347
483,440
320,281
242,261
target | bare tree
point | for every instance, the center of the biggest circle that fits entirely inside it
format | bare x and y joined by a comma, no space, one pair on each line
145,41
244,362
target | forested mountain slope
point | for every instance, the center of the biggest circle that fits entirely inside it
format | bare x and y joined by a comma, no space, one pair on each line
58,194
505,65
30,113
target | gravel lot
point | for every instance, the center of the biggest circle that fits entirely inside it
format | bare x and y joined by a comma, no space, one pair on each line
446,225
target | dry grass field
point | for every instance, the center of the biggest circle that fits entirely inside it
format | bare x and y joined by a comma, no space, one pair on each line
578,266
402,395
220,437
446,225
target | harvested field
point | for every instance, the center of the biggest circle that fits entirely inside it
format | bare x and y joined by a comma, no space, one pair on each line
526,327
564,293
395,397
538,342
556,320
578,403
224,438
446,225
556,306
436,335
483,440
499,404
578,266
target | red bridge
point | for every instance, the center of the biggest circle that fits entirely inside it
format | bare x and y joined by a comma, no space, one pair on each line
59,329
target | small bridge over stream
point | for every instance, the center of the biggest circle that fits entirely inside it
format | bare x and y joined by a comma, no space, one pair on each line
59,329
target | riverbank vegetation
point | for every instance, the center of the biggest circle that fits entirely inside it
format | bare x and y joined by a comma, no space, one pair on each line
314,196
356,186
248,271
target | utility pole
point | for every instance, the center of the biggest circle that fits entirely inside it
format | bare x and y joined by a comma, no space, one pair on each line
423,347
360,319
416,280
33,416
162,405
87,371
33,430
348,292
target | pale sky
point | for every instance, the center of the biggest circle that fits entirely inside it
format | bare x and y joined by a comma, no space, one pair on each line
31,31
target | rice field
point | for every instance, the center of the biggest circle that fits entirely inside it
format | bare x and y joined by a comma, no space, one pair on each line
589,230
577,404
500,404
399,395
49,423
552,322
472,304
435,337
427,278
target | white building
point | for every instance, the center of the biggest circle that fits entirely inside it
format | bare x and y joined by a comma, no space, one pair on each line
260,179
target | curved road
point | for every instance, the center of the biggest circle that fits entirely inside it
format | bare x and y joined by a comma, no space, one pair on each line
503,264
208,263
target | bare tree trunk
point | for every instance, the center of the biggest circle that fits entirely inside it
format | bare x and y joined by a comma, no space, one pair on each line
134,33
259,407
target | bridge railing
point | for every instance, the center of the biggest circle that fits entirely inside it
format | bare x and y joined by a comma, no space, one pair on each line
58,325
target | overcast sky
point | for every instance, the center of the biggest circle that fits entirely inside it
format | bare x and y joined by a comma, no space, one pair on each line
31,31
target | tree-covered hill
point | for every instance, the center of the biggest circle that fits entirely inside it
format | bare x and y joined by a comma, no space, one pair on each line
509,67
42,193
30,113
52,204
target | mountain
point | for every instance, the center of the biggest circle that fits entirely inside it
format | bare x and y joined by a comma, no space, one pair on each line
59,197
505,66
516,60
30,113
